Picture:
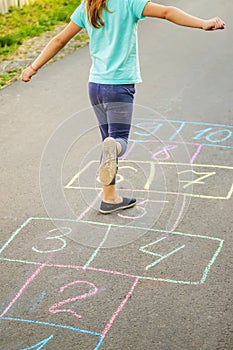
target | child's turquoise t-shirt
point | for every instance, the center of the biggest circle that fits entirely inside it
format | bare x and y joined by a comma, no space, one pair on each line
114,47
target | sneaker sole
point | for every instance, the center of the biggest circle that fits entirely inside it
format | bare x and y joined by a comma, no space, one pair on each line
108,167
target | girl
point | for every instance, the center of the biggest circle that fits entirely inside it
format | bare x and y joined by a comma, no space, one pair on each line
112,28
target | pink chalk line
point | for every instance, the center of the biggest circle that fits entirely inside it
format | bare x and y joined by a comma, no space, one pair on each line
196,154
20,292
91,269
167,141
119,309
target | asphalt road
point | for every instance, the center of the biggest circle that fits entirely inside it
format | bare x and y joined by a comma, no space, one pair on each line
158,276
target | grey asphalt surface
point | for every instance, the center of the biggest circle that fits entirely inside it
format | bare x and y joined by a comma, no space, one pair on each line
158,276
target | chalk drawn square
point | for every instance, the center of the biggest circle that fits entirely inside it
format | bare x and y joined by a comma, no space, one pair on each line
163,151
207,181
207,134
18,334
59,240
163,256
152,128
72,298
131,175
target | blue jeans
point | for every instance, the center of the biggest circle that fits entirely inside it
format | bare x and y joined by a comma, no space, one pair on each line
113,106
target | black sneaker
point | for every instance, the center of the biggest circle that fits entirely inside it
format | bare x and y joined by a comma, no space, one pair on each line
108,166
107,208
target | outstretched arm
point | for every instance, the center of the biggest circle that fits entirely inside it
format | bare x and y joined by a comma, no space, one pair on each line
180,17
50,50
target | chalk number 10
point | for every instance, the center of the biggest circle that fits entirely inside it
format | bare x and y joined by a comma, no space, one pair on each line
213,136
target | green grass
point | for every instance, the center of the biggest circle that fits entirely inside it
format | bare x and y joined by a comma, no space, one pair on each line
30,21
5,79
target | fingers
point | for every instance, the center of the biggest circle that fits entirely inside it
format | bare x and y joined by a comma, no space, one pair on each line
214,24
24,78
218,24
27,74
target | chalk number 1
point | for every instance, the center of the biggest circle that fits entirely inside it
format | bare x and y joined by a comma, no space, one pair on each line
39,345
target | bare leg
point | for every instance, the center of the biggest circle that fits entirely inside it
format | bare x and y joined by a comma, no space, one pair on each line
110,194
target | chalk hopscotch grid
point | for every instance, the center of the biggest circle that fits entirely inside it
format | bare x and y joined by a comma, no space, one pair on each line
97,250
115,314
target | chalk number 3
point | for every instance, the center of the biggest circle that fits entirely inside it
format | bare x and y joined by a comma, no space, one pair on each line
64,231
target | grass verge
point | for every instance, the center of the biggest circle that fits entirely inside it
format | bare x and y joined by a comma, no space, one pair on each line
31,21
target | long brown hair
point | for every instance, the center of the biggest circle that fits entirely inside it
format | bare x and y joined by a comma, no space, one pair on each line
95,10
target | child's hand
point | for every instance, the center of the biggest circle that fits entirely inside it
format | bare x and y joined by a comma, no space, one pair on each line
213,24
27,74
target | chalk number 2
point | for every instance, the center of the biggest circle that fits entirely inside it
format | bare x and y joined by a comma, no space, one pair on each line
56,307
